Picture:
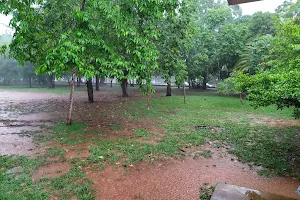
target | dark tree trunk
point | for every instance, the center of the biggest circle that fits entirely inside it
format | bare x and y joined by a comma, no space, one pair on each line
241,98
102,81
124,87
169,91
51,83
97,82
184,94
148,100
204,82
78,81
89,85
69,118
30,81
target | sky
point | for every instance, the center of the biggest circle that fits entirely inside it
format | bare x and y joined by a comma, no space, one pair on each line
248,9
264,6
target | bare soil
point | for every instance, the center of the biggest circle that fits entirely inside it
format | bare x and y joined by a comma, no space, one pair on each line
273,122
53,170
183,178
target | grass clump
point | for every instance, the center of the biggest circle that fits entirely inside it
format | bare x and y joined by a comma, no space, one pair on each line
142,133
206,191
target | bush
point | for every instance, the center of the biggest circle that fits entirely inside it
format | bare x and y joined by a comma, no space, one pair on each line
228,87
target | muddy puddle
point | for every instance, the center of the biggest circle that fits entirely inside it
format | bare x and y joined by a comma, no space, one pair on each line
22,114
182,179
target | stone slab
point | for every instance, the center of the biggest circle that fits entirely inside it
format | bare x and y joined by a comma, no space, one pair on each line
232,192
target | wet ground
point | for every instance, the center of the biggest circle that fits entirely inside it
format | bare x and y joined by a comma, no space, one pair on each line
22,115
25,114
182,179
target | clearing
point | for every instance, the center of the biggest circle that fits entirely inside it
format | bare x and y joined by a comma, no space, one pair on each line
116,149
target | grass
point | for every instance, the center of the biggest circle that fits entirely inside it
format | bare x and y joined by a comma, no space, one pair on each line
21,186
206,192
55,151
115,126
142,133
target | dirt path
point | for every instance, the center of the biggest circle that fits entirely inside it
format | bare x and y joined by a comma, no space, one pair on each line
182,179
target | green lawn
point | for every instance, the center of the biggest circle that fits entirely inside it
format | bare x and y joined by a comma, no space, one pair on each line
273,148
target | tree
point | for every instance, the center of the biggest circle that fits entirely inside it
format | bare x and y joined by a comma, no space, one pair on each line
255,57
28,73
9,71
279,84
68,35
217,41
176,29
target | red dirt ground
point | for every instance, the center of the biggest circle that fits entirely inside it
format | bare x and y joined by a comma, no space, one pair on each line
182,179
51,171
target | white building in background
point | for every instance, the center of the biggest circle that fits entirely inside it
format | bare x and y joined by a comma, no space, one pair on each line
4,29
156,80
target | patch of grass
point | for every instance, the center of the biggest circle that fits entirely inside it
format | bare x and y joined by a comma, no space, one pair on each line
266,173
20,186
205,154
115,126
74,183
132,152
70,134
206,191
7,162
142,133
55,151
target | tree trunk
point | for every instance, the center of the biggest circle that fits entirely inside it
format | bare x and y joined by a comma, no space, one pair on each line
216,81
169,90
78,81
132,83
184,94
30,81
241,98
69,118
204,82
51,83
102,81
148,100
124,87
89,85
97,82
